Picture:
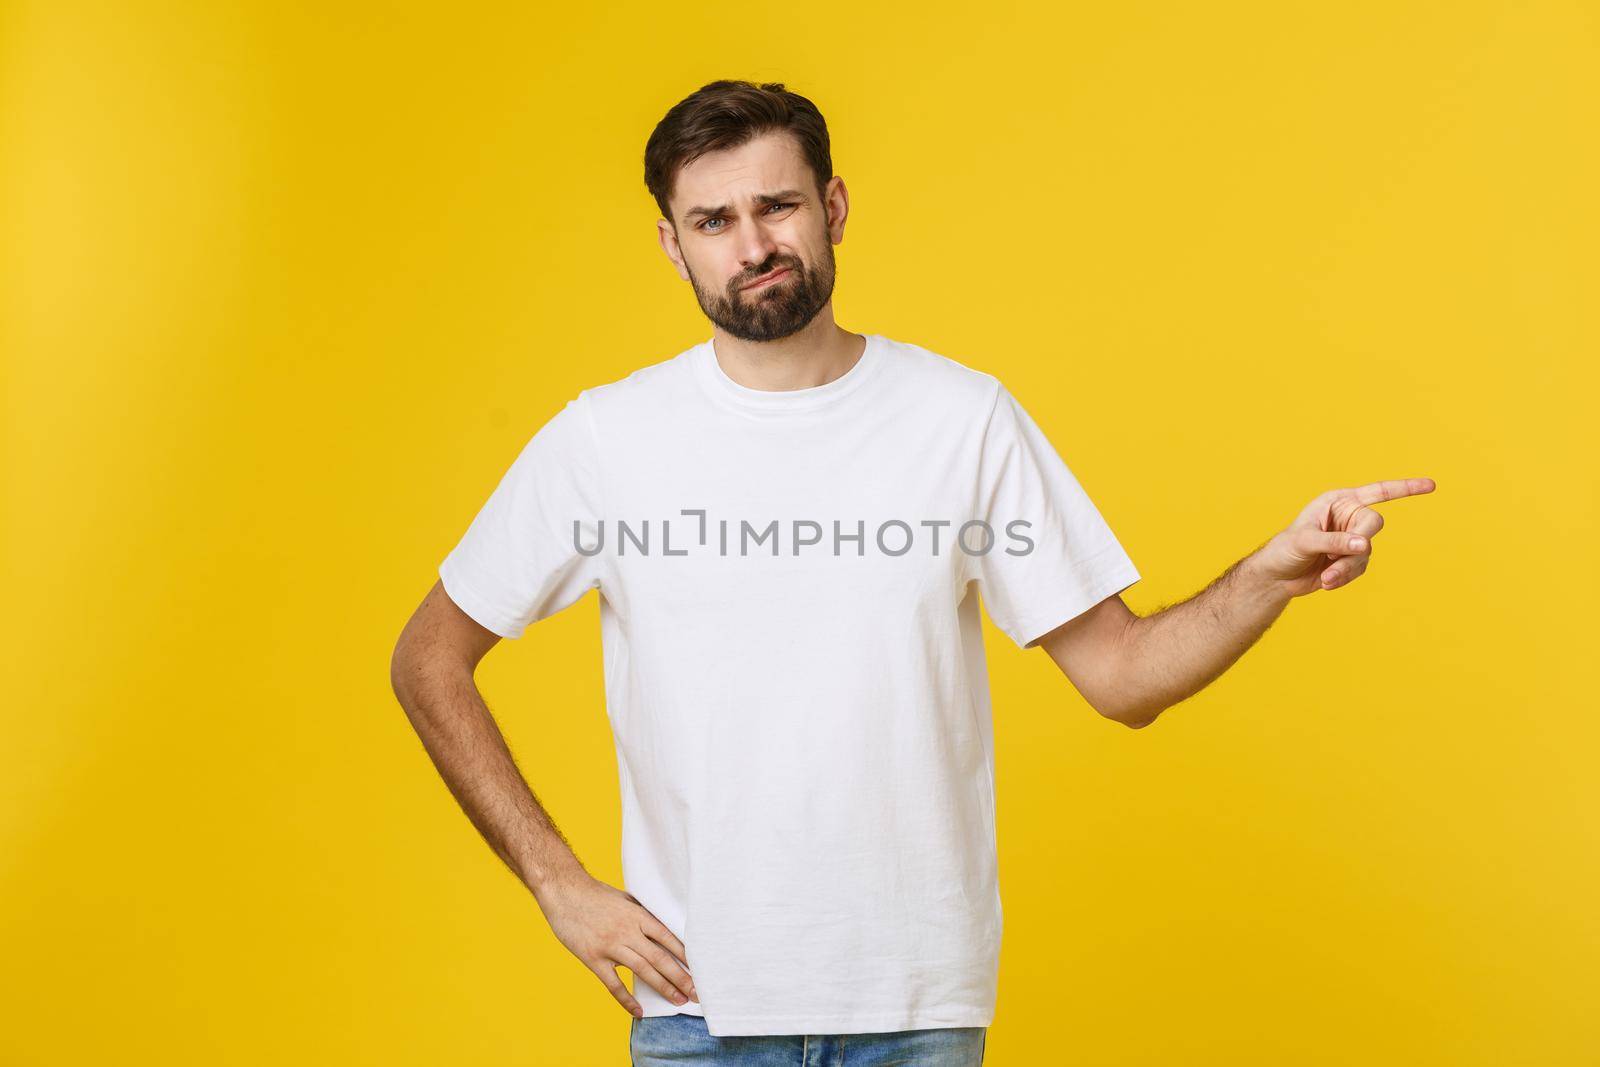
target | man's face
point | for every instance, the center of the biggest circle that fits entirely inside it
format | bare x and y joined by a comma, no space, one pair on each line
749,212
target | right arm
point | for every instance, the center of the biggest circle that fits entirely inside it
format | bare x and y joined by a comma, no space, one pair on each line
432,673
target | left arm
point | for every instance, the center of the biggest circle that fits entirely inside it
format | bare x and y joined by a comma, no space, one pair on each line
1132,668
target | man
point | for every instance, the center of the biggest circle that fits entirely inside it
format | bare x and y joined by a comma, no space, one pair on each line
791,527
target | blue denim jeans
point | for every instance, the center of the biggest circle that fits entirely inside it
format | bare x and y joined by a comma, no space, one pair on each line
683,1041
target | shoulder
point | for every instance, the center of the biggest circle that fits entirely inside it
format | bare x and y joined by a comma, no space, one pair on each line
646,389
940,376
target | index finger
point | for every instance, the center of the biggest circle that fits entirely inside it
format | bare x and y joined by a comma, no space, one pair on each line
1394,489
658,931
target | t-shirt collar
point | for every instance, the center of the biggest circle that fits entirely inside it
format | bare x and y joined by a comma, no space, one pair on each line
784,400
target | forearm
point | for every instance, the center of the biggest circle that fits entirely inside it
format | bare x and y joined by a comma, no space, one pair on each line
467,747
1168,656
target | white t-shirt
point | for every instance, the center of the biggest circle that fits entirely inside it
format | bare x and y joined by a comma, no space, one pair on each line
794,664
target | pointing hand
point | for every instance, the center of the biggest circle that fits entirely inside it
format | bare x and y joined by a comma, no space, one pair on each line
1329,544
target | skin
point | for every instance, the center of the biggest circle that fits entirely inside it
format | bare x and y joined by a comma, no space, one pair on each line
433,674
1131,668
782,337
718,254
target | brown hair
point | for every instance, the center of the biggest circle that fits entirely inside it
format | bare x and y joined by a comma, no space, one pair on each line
726,114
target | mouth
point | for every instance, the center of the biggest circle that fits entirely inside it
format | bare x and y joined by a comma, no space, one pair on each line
768,279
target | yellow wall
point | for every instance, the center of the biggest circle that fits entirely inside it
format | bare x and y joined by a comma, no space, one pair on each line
284,291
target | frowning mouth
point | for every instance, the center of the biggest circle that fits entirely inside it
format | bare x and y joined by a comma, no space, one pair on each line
768,279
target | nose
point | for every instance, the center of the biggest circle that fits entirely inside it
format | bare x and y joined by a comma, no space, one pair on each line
756,246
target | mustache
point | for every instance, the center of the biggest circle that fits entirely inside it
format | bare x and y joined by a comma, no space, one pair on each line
767,268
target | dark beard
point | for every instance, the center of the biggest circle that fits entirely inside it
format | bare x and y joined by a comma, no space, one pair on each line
779,310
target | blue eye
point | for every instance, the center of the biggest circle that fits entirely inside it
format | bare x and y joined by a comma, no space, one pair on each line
702,226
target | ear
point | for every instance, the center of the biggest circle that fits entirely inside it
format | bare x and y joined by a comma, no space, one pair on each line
669,244
836,198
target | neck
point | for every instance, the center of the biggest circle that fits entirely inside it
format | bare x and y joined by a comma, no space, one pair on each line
816,355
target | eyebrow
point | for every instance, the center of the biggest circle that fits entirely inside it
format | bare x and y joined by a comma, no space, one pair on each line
761,200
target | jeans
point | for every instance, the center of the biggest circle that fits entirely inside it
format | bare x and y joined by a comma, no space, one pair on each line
683,1041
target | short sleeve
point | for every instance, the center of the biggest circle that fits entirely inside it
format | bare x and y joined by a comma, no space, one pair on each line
520,559
1052,555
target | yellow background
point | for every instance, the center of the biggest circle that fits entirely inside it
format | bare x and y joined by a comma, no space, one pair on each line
286,287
